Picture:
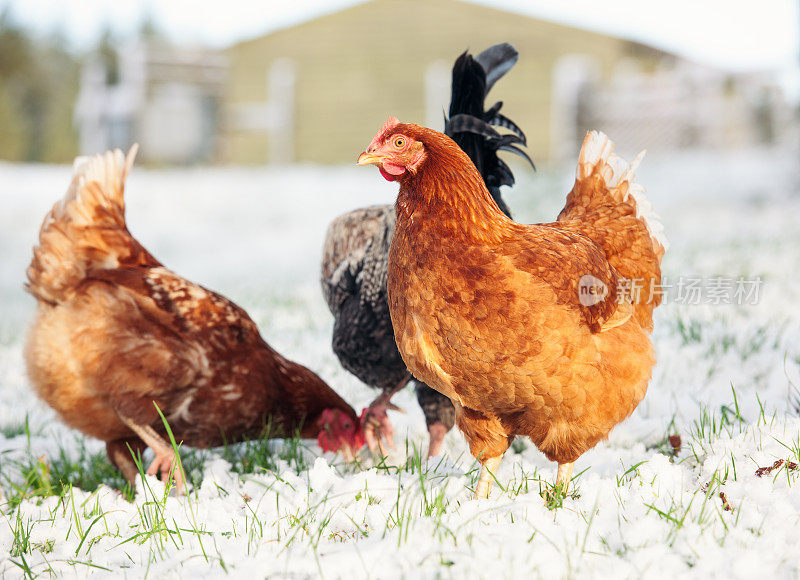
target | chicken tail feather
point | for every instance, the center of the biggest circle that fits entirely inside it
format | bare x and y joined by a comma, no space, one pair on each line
598,158
608,205
85,230
471,126
497,60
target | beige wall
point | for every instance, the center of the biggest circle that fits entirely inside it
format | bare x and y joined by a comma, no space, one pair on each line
356,67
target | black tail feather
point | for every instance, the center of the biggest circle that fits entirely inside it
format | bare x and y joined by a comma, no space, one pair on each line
468,87
517,151
496,61
502,176
472,127
503,121
469,124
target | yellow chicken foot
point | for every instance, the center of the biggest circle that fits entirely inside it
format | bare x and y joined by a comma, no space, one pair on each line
376,423
486,478
564,476
166,462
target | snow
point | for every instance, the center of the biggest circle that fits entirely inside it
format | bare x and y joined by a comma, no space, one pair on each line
725,382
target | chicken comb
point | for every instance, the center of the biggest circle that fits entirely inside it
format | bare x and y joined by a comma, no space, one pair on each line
390,124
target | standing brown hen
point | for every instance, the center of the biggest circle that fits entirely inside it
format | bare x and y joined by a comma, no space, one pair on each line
524,327
355,257
116,334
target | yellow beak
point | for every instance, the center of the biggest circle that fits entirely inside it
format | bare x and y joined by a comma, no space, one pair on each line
370,158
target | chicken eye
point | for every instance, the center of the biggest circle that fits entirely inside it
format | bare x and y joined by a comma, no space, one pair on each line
399,142
347,425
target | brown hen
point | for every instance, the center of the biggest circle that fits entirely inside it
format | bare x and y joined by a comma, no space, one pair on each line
528,329
117,334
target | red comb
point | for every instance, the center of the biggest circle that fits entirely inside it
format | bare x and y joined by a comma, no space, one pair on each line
390,124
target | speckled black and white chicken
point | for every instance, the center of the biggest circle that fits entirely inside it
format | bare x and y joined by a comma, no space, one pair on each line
355,254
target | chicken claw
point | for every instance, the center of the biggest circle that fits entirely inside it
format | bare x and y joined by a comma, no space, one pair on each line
169,466
376,423
377,426
166,462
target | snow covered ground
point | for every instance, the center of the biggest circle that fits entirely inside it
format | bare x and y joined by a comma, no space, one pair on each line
726,384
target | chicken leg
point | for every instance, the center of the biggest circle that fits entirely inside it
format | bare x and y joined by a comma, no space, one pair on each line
486,478
166,462
376,421
439,414
564,476
121,453
437,431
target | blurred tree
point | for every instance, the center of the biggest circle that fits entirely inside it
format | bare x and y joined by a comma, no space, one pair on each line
107,53
15,59
38,85
60,137
149,30
14,128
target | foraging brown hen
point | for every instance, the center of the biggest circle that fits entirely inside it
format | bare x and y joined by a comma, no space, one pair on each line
526,328
116,334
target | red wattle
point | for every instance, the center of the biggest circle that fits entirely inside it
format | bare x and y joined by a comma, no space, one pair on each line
390,171
324,442
394,169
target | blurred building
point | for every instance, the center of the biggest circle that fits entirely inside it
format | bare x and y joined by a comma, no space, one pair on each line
165,98
319,91
680,105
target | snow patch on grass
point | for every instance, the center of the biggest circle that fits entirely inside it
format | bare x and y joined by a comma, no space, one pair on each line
700,481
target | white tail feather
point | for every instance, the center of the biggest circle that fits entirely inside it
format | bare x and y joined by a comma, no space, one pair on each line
85,230
598,153
109,170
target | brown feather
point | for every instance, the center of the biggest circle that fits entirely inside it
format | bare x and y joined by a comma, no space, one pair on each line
487,311
346,244
116,332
